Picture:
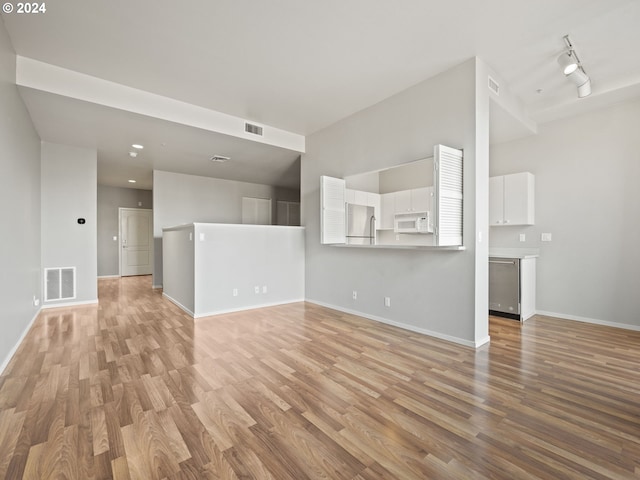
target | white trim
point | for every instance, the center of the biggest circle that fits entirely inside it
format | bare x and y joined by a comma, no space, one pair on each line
177,303
595,321
405,326
151,238
69,304
12,352
108,276
156,287
249,307
229,310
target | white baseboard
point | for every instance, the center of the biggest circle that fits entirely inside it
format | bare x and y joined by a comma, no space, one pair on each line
69,304
177,303
108,276
228,310
248,307
12,352
595,321
156,287
405,326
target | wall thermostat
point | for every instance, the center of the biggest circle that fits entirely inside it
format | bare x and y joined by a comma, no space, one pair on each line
81,221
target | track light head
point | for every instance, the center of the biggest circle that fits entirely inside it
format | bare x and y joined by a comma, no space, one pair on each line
573,69
568,62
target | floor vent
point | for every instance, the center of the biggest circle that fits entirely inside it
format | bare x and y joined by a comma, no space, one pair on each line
493,86
60,283
255,129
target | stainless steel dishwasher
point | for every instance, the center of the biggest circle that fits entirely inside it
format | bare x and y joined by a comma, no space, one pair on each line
504,287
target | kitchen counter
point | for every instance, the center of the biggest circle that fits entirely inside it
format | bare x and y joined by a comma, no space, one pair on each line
520,253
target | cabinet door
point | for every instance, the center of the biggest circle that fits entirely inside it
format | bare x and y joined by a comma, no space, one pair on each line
402,201
420,199
349,195
518,199
360,197
496,200
388,211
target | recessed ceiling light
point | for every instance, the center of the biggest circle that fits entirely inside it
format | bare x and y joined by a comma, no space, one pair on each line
133,154
219,158
138,146
132,181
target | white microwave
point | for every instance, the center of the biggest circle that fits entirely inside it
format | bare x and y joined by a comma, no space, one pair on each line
415,222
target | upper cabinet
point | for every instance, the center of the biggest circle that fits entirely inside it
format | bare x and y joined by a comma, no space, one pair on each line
511,199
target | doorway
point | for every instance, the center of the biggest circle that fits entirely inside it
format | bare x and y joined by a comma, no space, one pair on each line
136,241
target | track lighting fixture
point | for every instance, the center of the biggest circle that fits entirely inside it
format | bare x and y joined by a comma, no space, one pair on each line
573,69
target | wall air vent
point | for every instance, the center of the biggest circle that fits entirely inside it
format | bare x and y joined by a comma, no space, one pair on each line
219,159
494,86
250,128
59,283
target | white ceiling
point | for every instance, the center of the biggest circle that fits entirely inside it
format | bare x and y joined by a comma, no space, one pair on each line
302,65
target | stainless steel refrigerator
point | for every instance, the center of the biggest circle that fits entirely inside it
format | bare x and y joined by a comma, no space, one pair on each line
361,225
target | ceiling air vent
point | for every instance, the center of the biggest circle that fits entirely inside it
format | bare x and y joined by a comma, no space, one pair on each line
250,128
493,86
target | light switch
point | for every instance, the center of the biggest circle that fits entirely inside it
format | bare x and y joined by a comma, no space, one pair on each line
115,238
523,237
202,237
545,237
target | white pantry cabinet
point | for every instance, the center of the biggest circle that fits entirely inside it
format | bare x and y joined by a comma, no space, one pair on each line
511,199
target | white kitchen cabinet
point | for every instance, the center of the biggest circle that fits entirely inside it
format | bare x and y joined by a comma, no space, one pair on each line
402,201
420,199
512,199
349,195
415,200
360,198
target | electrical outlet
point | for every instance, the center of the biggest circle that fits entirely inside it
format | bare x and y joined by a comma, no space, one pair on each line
235,292
545,237
355,295
115,238
256,289
523,237
387,301
264,289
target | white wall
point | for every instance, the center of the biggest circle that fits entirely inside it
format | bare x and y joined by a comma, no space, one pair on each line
179,199
19,208
431,291
204,263
587,195
69,192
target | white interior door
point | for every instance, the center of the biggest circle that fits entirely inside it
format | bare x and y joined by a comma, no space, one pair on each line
136,241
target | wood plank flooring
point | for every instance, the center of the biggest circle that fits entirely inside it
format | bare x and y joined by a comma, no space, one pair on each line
135,389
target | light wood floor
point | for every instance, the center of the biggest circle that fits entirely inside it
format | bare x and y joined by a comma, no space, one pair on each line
136,389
